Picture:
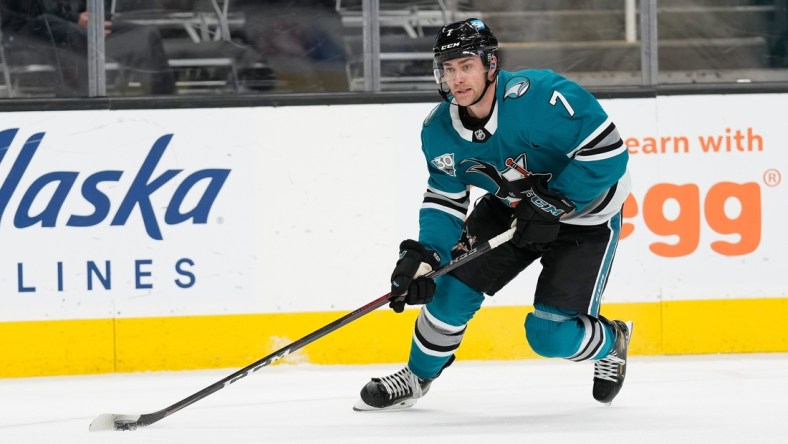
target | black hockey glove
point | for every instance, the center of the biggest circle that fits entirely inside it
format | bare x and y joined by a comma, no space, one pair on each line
537,215
408,284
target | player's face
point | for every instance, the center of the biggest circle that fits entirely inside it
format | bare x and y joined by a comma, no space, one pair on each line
465,78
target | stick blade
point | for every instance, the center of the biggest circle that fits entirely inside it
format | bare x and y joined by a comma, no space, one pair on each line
109,421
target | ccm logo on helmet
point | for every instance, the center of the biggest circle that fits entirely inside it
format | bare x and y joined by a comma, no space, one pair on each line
450,45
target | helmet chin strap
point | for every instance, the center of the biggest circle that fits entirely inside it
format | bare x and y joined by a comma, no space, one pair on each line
487,84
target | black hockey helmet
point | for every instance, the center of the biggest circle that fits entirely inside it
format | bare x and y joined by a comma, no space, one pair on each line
471,37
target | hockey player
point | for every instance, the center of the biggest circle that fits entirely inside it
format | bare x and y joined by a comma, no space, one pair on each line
554,167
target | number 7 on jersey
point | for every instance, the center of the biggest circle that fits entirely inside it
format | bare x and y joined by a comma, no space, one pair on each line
558,96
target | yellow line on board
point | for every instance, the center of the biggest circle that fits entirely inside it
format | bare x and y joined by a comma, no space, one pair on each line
233,341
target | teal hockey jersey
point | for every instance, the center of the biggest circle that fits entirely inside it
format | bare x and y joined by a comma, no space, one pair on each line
541,123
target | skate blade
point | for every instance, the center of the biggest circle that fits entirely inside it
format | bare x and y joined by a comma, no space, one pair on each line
362,406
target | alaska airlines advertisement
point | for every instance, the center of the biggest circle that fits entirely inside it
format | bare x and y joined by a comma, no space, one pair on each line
101,212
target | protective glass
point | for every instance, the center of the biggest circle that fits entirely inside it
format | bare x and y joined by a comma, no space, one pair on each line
470,68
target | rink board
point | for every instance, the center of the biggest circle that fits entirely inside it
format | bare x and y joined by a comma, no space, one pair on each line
235,341
176,239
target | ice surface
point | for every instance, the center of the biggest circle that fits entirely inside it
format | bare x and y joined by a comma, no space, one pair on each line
686,399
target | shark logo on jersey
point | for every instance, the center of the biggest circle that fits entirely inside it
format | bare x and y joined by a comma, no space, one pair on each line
516,87
511,182
445,163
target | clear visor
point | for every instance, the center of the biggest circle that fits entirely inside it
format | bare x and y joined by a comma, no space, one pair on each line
446,74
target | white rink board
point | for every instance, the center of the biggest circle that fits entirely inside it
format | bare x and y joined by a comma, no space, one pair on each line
705,273
316,200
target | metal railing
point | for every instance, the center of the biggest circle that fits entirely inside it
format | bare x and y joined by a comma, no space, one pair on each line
388,43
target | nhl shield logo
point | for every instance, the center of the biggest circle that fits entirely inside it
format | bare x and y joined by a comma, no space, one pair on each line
445,163
480,135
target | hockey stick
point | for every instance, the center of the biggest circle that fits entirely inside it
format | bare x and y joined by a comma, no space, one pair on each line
109,421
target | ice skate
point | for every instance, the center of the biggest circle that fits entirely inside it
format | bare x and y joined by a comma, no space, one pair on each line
610,371
393,392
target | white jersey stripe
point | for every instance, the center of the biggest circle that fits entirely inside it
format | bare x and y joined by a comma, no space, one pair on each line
602,156
460,195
